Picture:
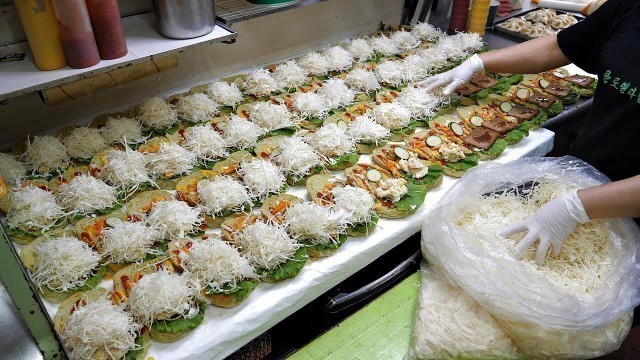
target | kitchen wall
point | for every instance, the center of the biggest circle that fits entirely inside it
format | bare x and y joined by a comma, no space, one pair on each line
261,41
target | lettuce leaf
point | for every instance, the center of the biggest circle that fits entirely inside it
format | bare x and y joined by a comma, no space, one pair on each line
464,164
286,131
241,290
290,268
435,172
405,130
133,354
555,109
349,158
366,226
413,199
93,281
515,78
482,94
180,324
518,133
497,148
25,233
539,119
330,245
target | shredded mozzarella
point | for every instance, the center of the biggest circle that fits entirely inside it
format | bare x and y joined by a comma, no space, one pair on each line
100,325
125,169
63,263
260,83
365,129
362,80
11,170
223,193
271,116
122,130
330,140
392,116
459,46
393,189
46,152
360,49
337,93
416,68
390,72
338,58
315,64
420,103
356,203
84,142
224,93
156,114
296,157
261,177
196,108
171,160
34,209
161,295
205,142
427,32
384,45
174,219
85,194
314,223
127,242
266,246
289,75
241,133
310,105
215,263
405,40
435,59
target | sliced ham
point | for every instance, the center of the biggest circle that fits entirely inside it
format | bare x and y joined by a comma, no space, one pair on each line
558,90
580,80
501,124
483,81
481,137
523,112
467,89
542,100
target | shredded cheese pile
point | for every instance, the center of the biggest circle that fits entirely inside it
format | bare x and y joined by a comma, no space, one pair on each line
337,93
160,296
224,93
34,209
330,140
289,75
122,130
84,142
11,170
362,80
356,203
420,103
393,116
260,83
215,263
314,223
459,46
241,133
339,59
261,177
266,246
360,49
174,219
315,64
46,152
365,130
297,157
204,142
100,325
384,45
223,193
156,114
435,59
125,169
127,242
310,105
416,68
405,40
170,160
85,194
390,72
427,32
63,263
271,116
196,108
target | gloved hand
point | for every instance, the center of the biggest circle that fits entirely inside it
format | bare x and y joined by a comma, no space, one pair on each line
551,224
456,76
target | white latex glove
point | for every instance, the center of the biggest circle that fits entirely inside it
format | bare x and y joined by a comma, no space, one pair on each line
551,224
454,77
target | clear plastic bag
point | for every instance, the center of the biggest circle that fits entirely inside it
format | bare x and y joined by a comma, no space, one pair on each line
496,280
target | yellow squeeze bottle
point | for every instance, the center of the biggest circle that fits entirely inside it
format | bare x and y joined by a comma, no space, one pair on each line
39,23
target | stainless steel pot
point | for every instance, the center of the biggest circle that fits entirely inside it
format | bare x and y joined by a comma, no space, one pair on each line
184,19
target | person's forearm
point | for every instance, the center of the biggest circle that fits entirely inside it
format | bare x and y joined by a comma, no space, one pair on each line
614,200
529,57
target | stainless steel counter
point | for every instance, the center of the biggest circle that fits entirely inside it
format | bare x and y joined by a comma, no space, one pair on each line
16,341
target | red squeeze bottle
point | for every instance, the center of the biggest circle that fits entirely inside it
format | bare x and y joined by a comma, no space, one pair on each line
107,28
76,34
459,13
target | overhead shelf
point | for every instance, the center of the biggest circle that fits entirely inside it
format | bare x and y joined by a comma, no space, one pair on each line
22,77
233,11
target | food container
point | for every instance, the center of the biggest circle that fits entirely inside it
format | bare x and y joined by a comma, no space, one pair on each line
180,19
76,33
107,27
39,23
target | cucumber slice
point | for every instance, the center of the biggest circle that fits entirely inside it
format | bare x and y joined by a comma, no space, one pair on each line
506,106
374,175
433,141
342,124
275,152
476,120
201,183
401,153
522,93
113,221
544,83
559,74
457,129
222,125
